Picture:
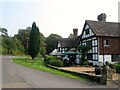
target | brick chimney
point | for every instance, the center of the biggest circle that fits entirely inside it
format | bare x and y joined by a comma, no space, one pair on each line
102,17
75,32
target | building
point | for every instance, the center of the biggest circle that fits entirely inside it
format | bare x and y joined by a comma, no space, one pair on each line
67,47
104,38
67,44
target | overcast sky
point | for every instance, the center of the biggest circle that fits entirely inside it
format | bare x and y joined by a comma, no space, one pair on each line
54,16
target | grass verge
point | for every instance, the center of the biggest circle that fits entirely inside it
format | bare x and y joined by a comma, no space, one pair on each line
39,64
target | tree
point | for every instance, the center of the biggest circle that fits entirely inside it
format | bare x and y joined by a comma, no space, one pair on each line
18,47
83,50
7,43
34,41
3,31
42,44
23,36
51,42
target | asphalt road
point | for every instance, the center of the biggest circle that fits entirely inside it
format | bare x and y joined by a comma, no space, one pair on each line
15,76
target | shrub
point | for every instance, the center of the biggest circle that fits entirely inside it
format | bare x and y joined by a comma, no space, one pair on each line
117,67
85,63
90,64
49,58
56,62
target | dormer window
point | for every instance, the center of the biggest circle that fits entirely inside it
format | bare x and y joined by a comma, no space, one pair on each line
87,31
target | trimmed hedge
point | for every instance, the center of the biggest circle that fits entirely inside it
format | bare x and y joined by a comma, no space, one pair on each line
85,63
56,62
49,58
52,60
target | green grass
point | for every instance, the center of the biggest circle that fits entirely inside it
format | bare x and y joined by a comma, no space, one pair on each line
39,64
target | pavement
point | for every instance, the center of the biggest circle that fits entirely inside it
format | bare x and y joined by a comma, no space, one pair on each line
17,76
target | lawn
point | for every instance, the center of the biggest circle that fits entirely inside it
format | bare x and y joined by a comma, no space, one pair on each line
39,64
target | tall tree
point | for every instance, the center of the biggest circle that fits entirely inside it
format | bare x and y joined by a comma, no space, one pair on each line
18,47
23,36
7,42
34,41
51,42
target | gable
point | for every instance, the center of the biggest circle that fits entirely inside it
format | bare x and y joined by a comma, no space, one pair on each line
87,31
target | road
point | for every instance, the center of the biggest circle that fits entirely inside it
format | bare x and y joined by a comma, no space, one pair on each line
17,76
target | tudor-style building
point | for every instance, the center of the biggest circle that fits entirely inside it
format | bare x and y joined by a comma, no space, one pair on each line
104,38
67,44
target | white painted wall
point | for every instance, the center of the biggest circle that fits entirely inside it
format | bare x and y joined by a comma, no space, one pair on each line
90,32
106,58
86,27
94,62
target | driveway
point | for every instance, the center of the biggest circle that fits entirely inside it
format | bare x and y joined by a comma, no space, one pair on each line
15,75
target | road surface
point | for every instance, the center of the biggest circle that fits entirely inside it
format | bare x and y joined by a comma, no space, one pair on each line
17,76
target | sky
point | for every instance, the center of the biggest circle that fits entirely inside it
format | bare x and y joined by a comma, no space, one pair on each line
54,16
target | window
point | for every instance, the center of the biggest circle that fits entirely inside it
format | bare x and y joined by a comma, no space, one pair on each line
95,49
89,43
115,57
87,31
94,43
106,43
95,57
89,56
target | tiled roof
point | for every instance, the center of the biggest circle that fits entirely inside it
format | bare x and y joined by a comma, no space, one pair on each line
101,28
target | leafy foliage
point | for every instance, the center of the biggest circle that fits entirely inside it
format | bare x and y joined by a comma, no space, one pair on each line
49,58
52,60
3,31
42,44
10,45
23,36
18,47
83,50
85,63
34,41
51,42
56,62
117,67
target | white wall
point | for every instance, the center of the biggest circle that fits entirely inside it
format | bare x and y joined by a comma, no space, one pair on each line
94,62
100,58
106,58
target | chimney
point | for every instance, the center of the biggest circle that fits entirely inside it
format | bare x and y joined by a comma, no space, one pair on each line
102,17
75,32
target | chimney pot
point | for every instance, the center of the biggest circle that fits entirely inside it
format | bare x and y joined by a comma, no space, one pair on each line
102,17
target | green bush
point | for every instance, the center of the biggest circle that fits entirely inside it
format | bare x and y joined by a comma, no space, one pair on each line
85,63
56,62
117,67
90,64
49,58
